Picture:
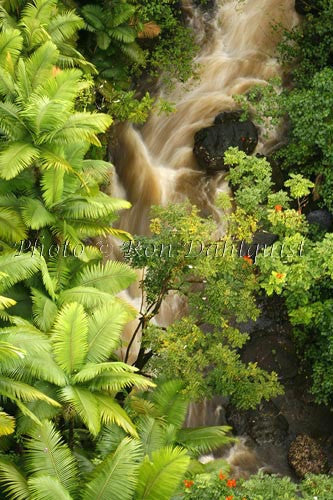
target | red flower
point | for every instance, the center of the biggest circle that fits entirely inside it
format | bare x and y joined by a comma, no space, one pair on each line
243,139
231,483
188,483
280,276
221,476
248,259
278,208
229,497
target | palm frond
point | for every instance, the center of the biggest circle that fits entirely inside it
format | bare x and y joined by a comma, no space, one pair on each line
170,402
160,476
124,34
7,424
35,215
202,440
47,488
89,297
108,440
40,63
111,277
85,404
10,45
16,390
16,157
80,126
53,186
152,434
48,455
18,268
44,310
11,122
63,26
112,413
92,370
69,339
11,225
105,327
12,480
116,477
115,382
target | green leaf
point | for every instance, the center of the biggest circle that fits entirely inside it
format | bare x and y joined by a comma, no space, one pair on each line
160,477
35,215
86,406
112,413
11,225
111,277
105,327
7,424
69,337
13,482
203,440
47,488
116,477
48,455
16,157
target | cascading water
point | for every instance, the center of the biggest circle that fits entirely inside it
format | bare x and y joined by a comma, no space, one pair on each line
156,165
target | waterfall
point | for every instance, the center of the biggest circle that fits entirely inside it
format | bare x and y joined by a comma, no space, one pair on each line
156,165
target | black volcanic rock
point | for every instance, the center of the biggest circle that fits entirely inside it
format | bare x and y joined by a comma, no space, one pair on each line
211,143
304,7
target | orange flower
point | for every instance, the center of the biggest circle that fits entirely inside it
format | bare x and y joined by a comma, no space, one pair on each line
222,476
280,276
278,208
188,483
229,497
248,259
231,483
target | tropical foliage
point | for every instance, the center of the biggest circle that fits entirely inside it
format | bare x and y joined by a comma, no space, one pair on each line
219,485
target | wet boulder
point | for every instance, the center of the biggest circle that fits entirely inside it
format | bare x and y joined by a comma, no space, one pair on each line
264,425
322,218
306,456
212,142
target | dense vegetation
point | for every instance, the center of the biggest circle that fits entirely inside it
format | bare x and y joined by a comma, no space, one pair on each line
75,421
